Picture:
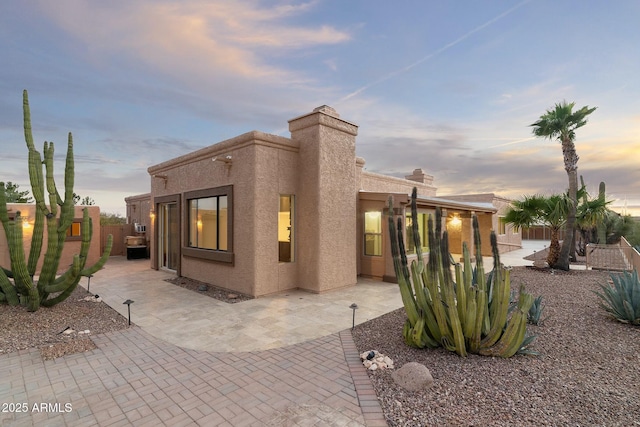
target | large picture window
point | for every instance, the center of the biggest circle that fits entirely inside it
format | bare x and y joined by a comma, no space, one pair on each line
373,233
209,224
208,218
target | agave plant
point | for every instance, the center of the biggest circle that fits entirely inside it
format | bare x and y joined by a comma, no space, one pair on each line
535,312
622,300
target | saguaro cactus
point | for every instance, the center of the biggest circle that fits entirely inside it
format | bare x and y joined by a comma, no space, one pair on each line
17,283
468,314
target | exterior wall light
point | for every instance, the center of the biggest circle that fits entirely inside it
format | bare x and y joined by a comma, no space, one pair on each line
163,177
455,221
227,160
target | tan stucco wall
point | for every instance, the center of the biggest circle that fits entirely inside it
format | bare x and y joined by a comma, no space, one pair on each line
328,199
71,247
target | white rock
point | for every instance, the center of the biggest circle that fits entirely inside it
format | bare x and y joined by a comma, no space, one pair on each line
68,331
388,361
373,367
367,363
86,331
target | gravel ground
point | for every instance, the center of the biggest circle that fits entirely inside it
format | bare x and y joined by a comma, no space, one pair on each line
211,291
588,372
43,329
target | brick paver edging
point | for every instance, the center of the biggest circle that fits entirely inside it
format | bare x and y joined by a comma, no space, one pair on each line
367,398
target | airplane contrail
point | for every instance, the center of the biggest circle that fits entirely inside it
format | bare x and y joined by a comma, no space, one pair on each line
511,143
431,55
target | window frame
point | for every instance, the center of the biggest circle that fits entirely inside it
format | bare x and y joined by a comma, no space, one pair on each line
70,237
292,227
216,255
367,234
502,226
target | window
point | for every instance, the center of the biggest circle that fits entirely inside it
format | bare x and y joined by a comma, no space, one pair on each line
502,225
423,218
209,225
74,232
285,229
373,233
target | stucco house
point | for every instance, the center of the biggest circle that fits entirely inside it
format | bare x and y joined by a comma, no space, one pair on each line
260,214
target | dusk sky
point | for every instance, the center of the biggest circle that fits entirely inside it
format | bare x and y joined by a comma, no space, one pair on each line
447,86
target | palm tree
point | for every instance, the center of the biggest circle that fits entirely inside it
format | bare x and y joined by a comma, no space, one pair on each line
541,210
560,123
590,217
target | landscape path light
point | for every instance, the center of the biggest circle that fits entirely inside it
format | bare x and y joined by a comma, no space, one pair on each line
354,307
129,302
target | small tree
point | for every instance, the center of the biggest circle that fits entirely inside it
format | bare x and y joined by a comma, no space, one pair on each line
13,195
541,210
86,201
17,284
111,219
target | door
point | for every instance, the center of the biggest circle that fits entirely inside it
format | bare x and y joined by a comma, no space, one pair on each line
168,236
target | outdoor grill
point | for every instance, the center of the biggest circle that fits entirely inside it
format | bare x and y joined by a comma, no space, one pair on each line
137,246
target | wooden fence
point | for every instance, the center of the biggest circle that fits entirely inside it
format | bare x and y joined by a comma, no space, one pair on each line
119,233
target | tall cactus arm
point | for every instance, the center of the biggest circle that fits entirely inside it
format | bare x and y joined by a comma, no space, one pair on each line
69,173
68,289
28,136
22,279
448,295
408,299
102,261
7,290
61,283
49,179
500,308
35,159
87,233
4,214
50,265
36,242
37,181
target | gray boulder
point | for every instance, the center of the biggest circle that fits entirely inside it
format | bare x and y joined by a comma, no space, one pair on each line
413,376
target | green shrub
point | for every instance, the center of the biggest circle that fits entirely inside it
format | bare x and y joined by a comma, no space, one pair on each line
622,299
535,312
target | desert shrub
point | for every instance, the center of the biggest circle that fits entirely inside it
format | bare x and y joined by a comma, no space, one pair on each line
621,299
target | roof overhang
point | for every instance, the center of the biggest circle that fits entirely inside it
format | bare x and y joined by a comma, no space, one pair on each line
429,202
